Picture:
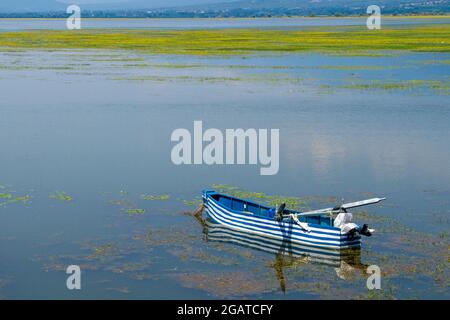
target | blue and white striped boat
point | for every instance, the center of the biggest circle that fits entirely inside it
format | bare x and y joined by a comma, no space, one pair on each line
316,230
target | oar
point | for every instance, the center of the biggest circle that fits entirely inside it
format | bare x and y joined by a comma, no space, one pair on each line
344,206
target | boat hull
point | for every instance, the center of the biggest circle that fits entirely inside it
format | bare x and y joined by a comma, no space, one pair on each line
220,233
317,238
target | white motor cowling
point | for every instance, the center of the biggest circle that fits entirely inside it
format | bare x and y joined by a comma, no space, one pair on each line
343,222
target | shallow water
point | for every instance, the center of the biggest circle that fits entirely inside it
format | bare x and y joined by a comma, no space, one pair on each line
86,135
29,24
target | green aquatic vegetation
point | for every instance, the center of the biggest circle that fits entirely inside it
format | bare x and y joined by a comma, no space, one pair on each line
176,78
241,252
102,251
387,292
23,199
439,86
368,54
108,257
122,203
257,67
135,211
144,276
158,197
131,267
61,196
177,66
294,203
5,196
193,202
124,290
273,78
405,253
444,235
330,40
435,62
379,86
118,59
227,284
43,68
371,218
353,68
170,236
195,254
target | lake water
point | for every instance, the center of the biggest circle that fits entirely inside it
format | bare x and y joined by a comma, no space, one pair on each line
95,126
29,24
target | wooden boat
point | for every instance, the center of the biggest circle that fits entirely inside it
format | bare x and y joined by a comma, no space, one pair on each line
317,230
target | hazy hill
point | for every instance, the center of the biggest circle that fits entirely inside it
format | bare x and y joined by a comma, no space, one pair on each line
222,8
55,5
325,7
309,4
30,5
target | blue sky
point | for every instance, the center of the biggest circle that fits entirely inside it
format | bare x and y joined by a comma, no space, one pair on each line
166,3
45,5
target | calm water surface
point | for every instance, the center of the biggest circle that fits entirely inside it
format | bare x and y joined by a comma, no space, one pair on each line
96,125
28,24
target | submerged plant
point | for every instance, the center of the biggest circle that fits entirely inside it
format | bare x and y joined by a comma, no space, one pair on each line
11,199
442,87
270,200
135,211
62,196
159,197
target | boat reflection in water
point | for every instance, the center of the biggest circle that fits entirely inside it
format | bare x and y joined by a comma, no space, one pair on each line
287,254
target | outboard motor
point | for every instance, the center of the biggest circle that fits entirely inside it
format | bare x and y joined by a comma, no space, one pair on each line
365,231
343,221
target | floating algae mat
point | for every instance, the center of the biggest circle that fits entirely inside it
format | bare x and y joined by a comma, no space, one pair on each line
158,197
62,196
344,40
136,211
10,199
439,86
